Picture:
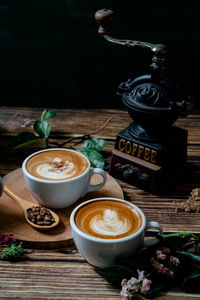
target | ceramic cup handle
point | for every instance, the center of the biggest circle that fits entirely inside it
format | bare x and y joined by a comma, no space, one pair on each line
93,187
152,224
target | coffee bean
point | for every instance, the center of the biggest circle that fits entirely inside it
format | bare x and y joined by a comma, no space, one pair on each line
35,213
40,223
40,215
47,223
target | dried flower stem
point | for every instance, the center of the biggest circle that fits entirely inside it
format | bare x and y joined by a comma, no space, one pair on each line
192,204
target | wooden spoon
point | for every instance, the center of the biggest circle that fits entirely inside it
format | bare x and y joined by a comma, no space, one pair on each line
24,204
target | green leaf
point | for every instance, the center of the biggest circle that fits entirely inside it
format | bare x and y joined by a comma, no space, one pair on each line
23,139
116,273
94,144
43,128
158,288
190,271
47,114
191,283
194,259
175,240
95,158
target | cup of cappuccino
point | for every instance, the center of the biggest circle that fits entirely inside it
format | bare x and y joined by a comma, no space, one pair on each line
105,229
58,177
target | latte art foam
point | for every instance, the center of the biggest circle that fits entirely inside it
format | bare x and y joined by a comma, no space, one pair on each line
109,223
56,165
56,170
108,219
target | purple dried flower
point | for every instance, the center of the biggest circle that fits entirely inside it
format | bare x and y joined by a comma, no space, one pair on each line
160,268
6,238
135,287
124,282
126,292
133,284
174,261
141,276
163,270
160,255
145,286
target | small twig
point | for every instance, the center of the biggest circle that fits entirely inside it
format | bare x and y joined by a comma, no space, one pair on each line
69,140
85,136
104,125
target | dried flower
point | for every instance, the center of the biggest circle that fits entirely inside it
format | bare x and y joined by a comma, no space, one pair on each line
134,287
145,286
174,261
160,255
133,284
6,238
192,204
166,268
141,275
160,268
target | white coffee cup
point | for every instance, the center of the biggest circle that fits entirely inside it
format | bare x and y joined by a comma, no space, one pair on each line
101,252
61,193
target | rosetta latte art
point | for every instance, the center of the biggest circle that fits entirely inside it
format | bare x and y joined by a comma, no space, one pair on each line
109,223
108,219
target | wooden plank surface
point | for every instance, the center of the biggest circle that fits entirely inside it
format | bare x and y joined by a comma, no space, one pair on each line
160,208
63,273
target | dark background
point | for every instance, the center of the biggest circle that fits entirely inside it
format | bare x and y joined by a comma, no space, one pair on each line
52,56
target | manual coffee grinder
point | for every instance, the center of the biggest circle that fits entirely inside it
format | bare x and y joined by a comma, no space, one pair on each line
150,153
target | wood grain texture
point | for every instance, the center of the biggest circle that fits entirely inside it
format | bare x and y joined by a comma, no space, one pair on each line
61,274
64,274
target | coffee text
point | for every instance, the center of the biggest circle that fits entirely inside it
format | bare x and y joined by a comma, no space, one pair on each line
137,150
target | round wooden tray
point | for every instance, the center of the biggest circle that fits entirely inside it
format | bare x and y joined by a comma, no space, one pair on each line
12,219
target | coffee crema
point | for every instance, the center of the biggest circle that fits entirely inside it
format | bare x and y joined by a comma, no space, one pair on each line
108,219
56,164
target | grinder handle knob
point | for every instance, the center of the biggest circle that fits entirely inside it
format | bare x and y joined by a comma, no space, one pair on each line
104,18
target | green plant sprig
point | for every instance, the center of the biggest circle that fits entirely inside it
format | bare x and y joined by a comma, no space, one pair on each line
90,147
41,128
10,249
12,252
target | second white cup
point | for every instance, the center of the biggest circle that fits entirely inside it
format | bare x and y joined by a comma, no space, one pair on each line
105,229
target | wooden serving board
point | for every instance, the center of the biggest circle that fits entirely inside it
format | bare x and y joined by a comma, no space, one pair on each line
12,218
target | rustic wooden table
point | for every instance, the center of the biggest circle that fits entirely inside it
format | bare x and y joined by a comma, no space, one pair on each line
63,273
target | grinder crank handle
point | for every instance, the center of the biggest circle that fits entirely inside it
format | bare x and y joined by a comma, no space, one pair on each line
104,18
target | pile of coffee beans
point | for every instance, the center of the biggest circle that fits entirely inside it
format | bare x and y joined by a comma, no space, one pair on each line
40,215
